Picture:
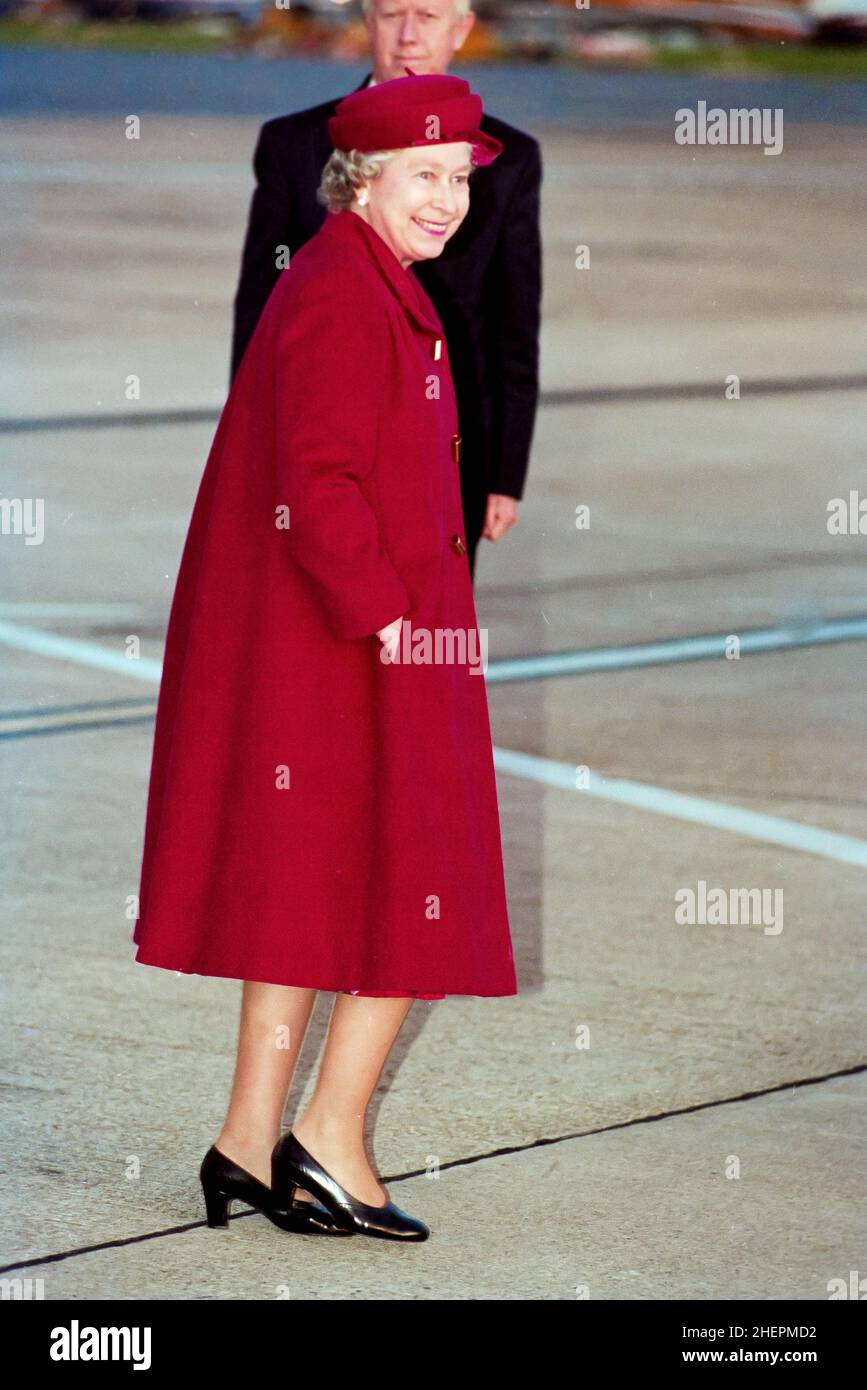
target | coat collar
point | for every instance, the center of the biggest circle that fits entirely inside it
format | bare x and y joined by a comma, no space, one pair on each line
351,230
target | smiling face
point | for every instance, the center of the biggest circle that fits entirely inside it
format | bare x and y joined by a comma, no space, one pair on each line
419,199
421,34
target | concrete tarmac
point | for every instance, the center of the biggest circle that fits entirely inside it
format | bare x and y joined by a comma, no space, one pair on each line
666,1110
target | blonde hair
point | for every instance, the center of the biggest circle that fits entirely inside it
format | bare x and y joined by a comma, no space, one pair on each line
346,173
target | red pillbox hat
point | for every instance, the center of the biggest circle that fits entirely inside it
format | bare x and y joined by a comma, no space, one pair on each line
427,109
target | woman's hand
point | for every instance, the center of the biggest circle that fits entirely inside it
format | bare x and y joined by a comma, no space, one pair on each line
390,639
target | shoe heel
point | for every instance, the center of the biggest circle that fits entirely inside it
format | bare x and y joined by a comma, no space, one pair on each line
217,1207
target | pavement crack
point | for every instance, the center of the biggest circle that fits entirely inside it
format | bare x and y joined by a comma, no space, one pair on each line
470,1161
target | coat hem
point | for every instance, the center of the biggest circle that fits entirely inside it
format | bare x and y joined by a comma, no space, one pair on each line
332,988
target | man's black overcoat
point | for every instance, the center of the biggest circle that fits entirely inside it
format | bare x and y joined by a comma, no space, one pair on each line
485,286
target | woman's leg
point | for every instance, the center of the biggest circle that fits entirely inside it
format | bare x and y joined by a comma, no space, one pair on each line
360,1036
273,1023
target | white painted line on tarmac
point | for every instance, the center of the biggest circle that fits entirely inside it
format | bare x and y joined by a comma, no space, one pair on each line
635,654
737,819
34,639
95,611
65,720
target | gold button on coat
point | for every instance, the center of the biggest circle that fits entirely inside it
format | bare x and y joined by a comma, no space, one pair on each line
458,545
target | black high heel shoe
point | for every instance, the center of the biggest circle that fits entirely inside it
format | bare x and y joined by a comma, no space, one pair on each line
292,1166
224,1182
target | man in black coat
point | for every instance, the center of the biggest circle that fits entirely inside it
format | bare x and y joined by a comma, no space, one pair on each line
485,285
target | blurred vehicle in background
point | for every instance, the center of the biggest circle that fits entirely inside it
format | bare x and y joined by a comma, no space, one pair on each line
838,21
167,9
540,31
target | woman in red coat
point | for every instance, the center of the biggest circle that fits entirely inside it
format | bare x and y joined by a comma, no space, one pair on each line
322,810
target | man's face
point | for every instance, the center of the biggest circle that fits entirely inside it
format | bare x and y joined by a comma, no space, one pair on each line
419,34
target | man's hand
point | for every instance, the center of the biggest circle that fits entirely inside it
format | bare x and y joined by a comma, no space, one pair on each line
390,639
500,515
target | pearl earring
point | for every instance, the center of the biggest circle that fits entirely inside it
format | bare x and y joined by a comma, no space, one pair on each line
362,198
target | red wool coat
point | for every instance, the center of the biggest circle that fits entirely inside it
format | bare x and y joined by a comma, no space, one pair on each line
317,817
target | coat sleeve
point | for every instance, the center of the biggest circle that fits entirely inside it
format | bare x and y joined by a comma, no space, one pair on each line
516,293
333,373
267,228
